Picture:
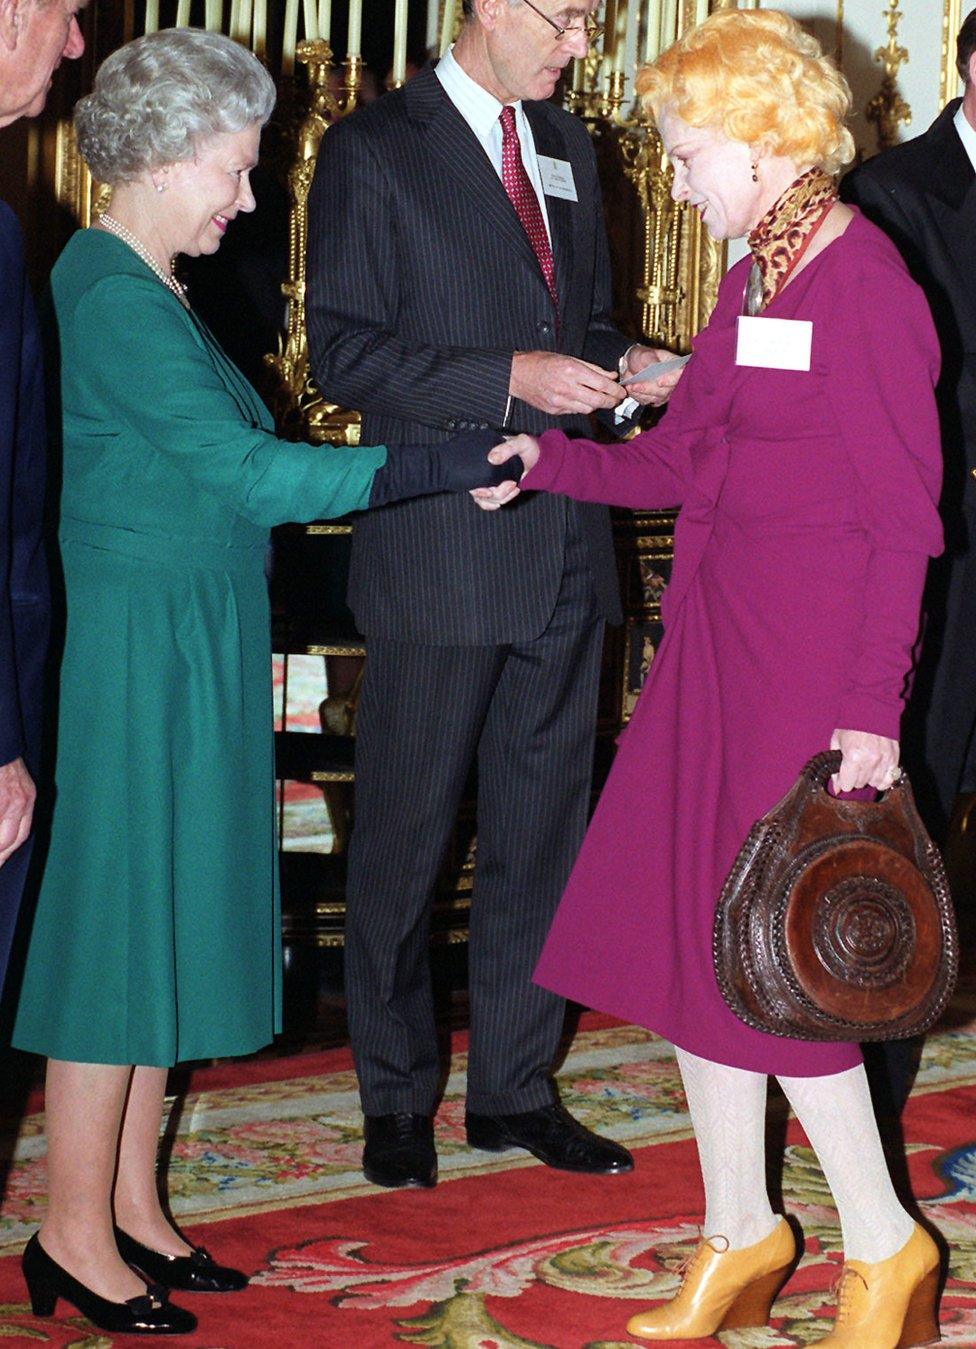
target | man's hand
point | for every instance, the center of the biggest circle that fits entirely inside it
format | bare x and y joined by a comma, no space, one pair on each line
869,760
490,498
17,796
561,384
651,392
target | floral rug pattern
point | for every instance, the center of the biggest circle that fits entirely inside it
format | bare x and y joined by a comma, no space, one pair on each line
504,1254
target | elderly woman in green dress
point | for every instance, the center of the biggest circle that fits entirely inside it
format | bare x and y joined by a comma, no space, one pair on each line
156,936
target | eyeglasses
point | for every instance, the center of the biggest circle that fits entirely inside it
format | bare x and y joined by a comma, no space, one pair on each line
589,26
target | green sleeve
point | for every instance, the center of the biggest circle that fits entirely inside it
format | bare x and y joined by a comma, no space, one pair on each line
150,372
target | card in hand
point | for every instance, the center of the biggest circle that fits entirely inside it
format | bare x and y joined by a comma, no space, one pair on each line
656,369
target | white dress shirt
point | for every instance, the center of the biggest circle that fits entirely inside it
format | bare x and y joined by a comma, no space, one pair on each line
481,111
967,134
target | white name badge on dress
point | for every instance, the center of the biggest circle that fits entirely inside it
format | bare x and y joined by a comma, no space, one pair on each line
774,344
557,178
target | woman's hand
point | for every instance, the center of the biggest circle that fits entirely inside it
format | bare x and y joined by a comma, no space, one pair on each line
527,447
869,761
651,392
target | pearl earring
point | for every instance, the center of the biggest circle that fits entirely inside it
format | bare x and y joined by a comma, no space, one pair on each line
160,187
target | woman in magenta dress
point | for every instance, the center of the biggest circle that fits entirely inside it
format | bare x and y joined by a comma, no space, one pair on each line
804,456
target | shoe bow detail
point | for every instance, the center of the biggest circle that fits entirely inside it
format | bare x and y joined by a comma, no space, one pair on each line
195,1272
151,1300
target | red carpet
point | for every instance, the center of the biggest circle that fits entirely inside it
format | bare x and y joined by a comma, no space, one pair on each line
503,1254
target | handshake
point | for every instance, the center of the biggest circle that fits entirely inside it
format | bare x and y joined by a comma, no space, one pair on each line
527,450
562,384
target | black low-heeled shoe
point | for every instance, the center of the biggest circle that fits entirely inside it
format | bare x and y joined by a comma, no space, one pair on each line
193,1273
150,1314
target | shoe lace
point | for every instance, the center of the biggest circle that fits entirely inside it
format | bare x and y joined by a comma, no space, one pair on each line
842,1289
403,1123
704,1244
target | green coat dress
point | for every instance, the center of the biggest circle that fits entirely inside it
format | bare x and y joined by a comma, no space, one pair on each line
157,934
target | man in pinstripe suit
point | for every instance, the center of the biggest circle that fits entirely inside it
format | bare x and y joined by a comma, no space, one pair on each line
459,278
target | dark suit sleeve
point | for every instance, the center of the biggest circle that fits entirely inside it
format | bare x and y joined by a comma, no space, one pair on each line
863,188
11,308
354,300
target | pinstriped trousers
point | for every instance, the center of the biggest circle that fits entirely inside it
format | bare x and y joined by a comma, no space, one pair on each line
527,712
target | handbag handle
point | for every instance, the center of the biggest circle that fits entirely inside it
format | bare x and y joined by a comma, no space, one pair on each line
822,767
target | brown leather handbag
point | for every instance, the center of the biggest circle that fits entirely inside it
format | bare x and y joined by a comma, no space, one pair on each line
836,921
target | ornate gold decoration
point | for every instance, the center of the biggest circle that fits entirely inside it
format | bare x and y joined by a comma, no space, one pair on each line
645,545
584,97
951,23
692,13
596,98
659,290
703,264
74,187
300,409
888,110
71,178
681,265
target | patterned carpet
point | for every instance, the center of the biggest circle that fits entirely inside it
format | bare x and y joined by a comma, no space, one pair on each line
503,1254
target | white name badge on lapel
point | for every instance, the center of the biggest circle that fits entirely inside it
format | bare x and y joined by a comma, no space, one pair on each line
774,344
557,178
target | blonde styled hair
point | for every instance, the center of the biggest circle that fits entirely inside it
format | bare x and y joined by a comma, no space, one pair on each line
762,79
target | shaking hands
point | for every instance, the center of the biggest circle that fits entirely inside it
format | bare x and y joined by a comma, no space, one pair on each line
562,385
527,448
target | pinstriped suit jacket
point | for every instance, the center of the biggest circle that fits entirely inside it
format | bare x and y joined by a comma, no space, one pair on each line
422,283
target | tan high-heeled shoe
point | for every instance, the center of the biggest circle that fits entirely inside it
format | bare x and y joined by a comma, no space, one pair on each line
722,1289
892,1304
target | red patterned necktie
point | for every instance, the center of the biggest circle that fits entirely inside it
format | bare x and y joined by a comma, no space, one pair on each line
522,195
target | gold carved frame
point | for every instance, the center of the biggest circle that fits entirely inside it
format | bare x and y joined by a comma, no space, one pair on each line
951,23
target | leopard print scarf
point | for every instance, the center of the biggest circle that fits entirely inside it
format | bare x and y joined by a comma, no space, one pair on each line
780,239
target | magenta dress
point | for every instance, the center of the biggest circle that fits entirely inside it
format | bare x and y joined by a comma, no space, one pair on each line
808,514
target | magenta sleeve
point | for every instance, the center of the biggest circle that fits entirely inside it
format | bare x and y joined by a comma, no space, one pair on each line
884,368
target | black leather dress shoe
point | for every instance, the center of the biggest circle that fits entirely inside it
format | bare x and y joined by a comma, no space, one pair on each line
193,1273
399,1150
551,1134
150,1314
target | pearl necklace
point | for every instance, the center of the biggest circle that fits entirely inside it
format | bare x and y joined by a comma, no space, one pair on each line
168,279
